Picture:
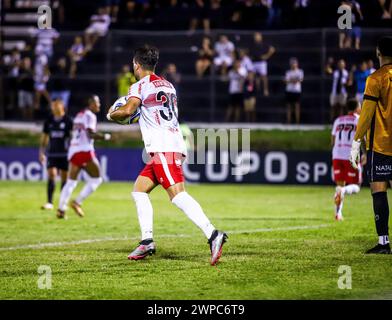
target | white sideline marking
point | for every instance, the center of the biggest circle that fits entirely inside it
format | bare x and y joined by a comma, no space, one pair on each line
77,242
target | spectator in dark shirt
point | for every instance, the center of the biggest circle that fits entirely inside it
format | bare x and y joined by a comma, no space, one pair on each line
200,13
172,75
26,89
261,53
60,82
206,54
250,97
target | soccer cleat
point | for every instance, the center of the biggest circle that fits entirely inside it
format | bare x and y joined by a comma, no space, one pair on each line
380,249
145,248
61,214
339,217
47,206
218,238
77,208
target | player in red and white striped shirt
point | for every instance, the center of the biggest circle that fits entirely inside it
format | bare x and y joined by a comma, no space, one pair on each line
81,155
347,179
157,100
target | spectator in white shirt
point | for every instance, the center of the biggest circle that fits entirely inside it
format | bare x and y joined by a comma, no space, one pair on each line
237,77
76,54
293,80
224,50
246,61
338,95
99,26
45,38
41,78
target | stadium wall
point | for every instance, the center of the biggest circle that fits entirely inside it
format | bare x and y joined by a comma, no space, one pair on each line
268,167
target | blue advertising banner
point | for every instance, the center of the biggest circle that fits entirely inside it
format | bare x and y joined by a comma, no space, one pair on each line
23,164
270,167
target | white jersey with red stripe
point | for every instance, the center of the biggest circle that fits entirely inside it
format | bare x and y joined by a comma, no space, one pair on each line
343,130
158,114
81,141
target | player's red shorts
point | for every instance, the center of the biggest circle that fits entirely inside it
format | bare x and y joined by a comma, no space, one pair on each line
343,171
80,159
164,168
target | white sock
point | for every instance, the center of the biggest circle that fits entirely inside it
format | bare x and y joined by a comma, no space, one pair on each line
351,189
88,189
66,192
144,213
194,212
383,240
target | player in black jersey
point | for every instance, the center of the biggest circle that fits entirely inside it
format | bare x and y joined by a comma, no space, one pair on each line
54,147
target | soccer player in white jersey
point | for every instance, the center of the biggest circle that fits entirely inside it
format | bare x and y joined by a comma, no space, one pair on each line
163,140
347,179
81,155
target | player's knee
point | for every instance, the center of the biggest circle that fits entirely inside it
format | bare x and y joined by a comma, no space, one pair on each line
139,196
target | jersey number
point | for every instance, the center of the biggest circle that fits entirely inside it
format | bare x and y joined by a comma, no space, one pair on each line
345,127
169,101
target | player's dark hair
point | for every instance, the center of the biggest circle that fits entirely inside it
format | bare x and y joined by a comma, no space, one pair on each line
352,104
90,98
384,45
147,56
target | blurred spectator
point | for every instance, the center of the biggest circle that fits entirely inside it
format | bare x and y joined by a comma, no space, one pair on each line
76,54
112,6
346,36
268,5
236,89
41,78
386,11
224,50
172,75
199,10
124,80
261,53
293,80
206,54
45,38
246,62
338,95
138,10
11,64
370,64
215,16
59,82
329,66
99,26
250,97
301,13
26,89
359,76
357,19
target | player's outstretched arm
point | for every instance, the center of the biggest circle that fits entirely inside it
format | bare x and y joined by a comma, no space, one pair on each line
98,135
124,111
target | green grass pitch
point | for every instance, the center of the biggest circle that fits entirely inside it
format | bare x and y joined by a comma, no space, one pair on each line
283,244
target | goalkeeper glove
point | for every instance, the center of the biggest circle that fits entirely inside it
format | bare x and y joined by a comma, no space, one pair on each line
354,153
